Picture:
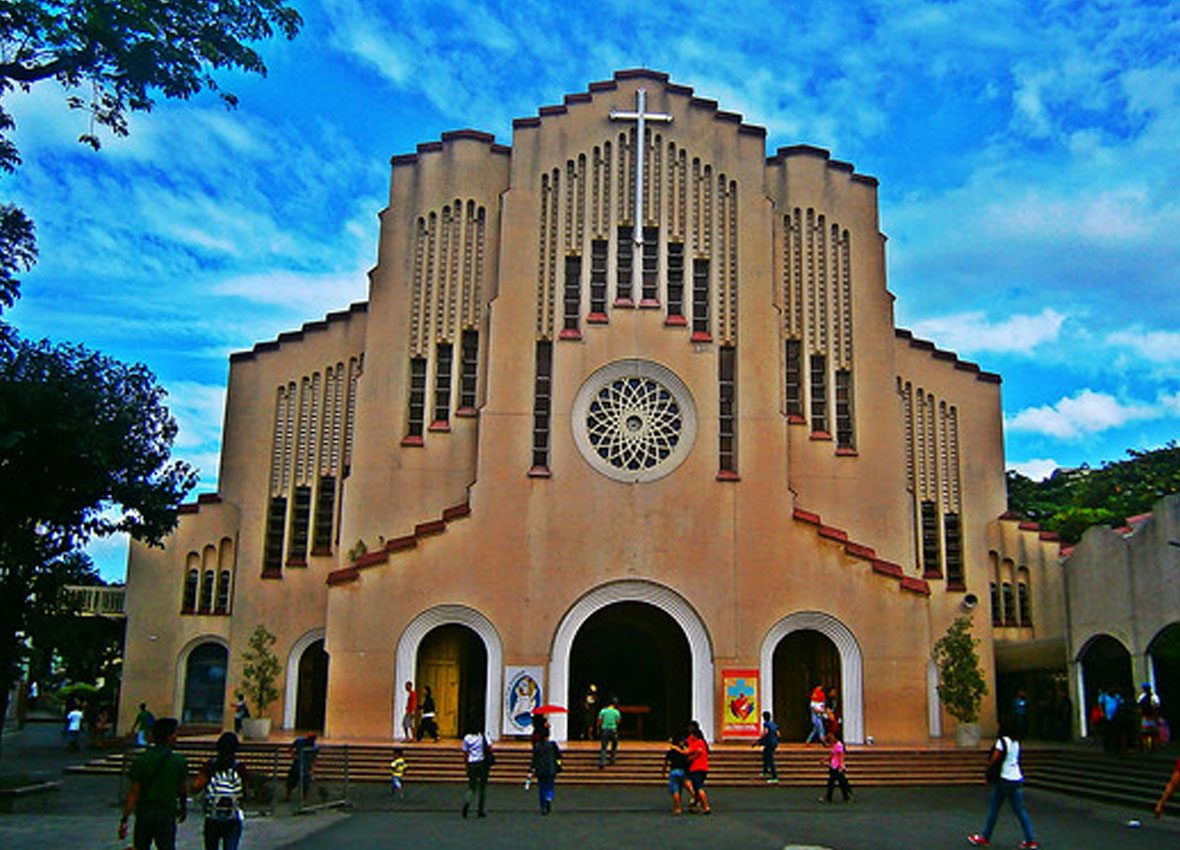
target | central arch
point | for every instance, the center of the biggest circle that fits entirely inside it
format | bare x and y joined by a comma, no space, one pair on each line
851,664
636,590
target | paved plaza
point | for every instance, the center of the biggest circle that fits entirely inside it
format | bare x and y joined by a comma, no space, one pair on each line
83,814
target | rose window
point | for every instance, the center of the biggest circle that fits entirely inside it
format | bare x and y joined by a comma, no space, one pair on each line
634,420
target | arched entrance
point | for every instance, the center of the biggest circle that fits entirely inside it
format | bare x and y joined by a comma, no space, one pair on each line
701,693
453,662
636,652
825,650
204,684
1105,665
409,655
312,692
802,660
1164,652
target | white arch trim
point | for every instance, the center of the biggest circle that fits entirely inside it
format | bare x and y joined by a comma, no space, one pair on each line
407,657
291,691
851,665
657,595
182,670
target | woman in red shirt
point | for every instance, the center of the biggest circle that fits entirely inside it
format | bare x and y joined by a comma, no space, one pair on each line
697,750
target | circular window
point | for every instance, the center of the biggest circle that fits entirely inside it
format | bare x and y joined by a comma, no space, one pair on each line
634,420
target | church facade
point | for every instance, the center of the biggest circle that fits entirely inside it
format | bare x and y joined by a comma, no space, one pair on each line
627,406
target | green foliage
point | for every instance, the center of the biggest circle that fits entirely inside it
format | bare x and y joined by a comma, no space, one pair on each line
112,57
77,692
1071,500
261,671
84,451
961,686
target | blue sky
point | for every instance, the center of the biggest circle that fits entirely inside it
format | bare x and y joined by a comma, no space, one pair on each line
1028,153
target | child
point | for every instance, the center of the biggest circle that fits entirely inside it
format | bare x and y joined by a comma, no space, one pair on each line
676,767
769,743
397,768
835,765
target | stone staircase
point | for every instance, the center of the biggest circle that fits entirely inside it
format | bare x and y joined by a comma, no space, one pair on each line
1131,779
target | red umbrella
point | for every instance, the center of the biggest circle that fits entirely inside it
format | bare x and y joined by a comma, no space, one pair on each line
550,709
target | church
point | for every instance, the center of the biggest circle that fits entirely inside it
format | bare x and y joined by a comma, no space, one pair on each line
626,406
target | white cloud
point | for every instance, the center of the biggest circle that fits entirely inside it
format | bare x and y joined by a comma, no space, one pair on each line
1087,412
973,332
1156,346
1038,469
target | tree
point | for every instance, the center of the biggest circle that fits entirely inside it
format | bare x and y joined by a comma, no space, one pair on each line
261,670
119,53
961,686
84,451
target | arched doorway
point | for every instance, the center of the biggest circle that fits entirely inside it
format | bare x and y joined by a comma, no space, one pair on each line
802,660
638,653
1106,665
453,662
312,693
204,684
1164,651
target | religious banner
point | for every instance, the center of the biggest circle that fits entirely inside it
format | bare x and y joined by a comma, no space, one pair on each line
522,693
741,717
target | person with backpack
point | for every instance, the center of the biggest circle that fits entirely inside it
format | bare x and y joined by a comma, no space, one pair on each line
545,765
1004,771
223,779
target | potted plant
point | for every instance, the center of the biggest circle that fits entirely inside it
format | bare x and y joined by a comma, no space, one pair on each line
261,671
961,686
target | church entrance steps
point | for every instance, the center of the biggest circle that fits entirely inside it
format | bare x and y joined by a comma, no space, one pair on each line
1130,779
637,763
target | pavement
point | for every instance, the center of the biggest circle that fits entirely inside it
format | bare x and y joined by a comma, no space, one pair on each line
84,813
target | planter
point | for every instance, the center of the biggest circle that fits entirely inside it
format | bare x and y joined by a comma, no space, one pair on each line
256,728
31,797
967,735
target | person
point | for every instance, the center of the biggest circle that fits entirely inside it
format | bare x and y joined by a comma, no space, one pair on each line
817,709
397,769
608,731
158,795
676,768
223,779
241,712
142,725
590,712
833,719
1169,790
697,750
1149,712
545,765
428,724
836,768
1009,786
1020,713
74,718
769,743
410,718
1112,702
304,750
477,750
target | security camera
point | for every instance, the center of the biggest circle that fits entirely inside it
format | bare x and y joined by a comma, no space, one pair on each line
970,601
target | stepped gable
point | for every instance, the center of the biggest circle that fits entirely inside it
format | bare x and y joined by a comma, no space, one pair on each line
355,309
822,153
946,356
203,499
862,552
450,137
1025,524
639,74
393,545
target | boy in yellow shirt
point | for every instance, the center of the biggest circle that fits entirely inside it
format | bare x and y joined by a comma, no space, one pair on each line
397,768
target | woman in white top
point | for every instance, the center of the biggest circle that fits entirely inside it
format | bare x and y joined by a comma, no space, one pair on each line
1010,787
477,748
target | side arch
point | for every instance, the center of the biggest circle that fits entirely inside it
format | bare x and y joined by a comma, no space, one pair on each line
700,647
291,690
851,664
182,658
407,655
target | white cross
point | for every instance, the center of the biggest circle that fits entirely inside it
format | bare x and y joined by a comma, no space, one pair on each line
640,116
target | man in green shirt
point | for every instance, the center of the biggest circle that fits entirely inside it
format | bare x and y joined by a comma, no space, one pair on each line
608,731
159,791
